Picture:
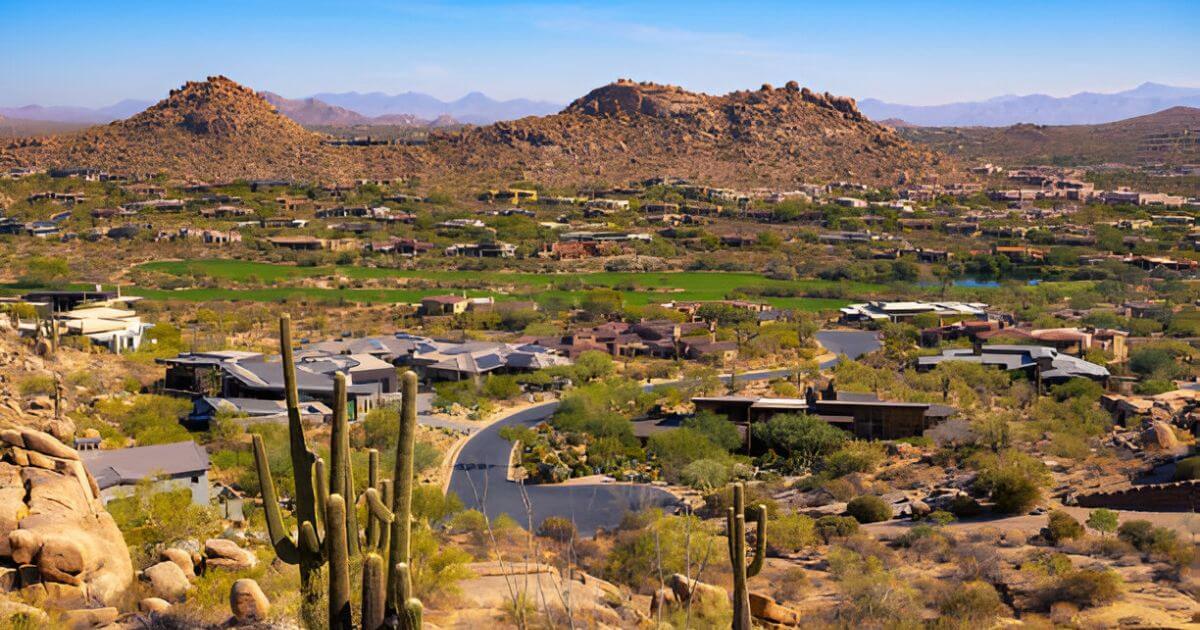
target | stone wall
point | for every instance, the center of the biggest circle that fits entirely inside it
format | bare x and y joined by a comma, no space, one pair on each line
1181,496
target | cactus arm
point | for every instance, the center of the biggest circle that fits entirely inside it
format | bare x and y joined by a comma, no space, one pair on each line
402,479
410,609
376,506
413,611
306,509
340,617
371,539
374,591
735,520
759,514
309,542
385,533
285,547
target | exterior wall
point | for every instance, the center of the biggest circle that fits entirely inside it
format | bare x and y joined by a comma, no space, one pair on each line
198,488
1183,496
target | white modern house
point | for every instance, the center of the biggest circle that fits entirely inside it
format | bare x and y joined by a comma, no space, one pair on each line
168,466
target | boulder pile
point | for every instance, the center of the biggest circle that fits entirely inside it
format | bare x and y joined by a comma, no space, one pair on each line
58,545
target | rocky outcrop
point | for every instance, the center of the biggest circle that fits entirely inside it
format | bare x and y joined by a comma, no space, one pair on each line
54,531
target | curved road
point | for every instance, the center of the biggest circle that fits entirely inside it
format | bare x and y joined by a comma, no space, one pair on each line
480,475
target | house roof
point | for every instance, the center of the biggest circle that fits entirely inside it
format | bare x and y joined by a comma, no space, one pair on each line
127,466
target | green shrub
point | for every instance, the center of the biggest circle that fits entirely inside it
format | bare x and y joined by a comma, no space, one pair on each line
1137,532
1061,526
791,532
965,506
1089,587
1013,480
37,385
855,457
1187,468
941,517
973,603
869,509
557,528
832,527
1103,520
705,474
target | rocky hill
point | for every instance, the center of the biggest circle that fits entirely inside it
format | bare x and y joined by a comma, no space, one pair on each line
627,129
1167,137
220,130
212,129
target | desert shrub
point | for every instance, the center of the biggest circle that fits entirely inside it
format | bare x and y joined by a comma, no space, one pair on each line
1061,527
791,532
646,537
1187,468
718,429
964,506
839,489
557,528
791,585
676,449
436,569
855,457
941,517
433,506
869,509
802,440
1089,587
37,385
1014,480
917,534
973,603
469,522
832,527
705,474
1103,520
1137,532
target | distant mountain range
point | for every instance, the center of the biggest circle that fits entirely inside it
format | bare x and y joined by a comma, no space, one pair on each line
474,108
69,114
329,109
1085,108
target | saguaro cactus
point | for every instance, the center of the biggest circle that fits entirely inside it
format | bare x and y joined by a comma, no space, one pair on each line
735,531
327,522
402,480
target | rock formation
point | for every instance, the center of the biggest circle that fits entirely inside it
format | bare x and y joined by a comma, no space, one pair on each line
56,539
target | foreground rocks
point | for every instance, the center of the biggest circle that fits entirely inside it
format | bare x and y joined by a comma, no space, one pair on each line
247,602
53,527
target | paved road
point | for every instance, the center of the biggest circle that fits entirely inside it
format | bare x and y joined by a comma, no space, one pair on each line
480,472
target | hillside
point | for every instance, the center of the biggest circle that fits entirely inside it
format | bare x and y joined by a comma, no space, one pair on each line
1171,136
220,130
213,129
627,129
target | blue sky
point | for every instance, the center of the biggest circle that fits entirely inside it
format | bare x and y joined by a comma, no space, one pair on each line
96,53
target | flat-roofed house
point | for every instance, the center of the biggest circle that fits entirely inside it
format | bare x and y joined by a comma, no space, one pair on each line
181,465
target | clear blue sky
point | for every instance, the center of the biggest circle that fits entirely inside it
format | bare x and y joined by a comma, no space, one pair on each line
98,52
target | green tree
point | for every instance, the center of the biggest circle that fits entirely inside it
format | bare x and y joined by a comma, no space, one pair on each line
800,438
1103,520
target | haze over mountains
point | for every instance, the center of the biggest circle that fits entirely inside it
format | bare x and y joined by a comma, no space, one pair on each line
330,109
1085,108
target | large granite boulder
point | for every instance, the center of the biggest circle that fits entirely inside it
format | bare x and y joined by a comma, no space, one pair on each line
53,525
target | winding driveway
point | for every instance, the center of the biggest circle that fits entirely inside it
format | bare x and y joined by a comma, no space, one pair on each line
480,475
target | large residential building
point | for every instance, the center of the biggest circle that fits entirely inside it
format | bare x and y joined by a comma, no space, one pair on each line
880,311
1041,363
181,465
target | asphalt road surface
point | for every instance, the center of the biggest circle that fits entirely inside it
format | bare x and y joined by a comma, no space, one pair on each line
480,475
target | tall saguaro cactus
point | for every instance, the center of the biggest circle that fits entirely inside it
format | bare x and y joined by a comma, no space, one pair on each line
327,521
735,531
402,480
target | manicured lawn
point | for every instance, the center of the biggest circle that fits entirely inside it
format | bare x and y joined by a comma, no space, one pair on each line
638,288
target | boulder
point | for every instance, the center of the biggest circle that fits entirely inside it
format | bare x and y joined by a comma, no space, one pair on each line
247,602
707,597
154,605
918,509
167,581
90,617
47,444
180,557
62,559
1159,436
225,554
766,609
24,545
